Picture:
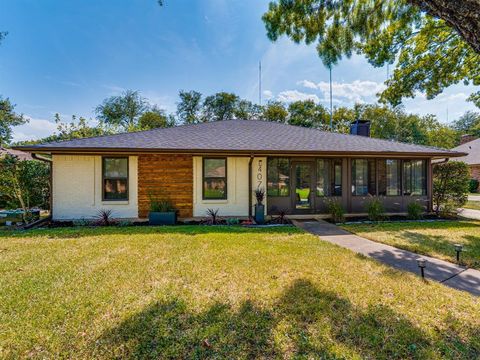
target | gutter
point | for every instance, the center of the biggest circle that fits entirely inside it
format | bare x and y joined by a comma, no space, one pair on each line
250,187
99,151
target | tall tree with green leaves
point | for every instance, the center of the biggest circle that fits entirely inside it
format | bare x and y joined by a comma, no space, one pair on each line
189,107
468,123
246,110
275,111
155,118
123,110
307,113
221,106
432,44
8,119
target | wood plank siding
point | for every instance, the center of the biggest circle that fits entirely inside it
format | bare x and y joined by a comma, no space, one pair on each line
166,176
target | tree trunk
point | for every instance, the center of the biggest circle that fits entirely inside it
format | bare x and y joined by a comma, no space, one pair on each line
462,15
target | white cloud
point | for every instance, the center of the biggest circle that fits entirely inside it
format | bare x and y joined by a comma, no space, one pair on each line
356,91
34,129
267,94
295,95
308,84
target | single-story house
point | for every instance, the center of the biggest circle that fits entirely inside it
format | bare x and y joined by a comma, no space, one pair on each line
471,146
220,164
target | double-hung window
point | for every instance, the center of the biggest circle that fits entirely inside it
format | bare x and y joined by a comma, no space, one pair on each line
115,178
214,178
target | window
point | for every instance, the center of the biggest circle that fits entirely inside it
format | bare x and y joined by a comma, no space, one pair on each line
389,175
214,178
329,177
115,178
278,177
414,177
363,177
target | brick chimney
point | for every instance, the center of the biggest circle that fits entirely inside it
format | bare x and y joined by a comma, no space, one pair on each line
360,127
467,138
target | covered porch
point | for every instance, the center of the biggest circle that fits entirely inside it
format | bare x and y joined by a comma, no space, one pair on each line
303,186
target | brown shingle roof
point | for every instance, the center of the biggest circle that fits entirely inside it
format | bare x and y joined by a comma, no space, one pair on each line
240,136
472,148
21,155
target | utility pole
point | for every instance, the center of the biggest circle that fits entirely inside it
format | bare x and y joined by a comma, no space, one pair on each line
331,106
260,83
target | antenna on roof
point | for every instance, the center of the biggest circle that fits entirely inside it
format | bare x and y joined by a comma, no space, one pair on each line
260,83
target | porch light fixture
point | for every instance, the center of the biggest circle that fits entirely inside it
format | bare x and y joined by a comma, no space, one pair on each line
458,250
422,264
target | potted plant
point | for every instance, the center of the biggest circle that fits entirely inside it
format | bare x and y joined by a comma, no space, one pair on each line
259,207
162,213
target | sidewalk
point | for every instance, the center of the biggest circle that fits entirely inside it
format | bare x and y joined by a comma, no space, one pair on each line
452,275
469,213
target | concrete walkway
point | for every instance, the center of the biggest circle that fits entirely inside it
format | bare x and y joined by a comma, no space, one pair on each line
473,197
469,213
452,275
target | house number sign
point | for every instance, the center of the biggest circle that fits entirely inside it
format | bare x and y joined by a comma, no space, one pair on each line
260,174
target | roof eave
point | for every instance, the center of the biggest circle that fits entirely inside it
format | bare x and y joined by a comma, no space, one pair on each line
86,150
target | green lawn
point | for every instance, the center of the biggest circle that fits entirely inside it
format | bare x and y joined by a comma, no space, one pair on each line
435,239
218,292
475,205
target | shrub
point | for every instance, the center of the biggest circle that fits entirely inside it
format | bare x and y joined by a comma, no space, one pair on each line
448,210
415,210
104,217
450,185
335,209
233,221
259,195
213,216
375,210
161,206
473,185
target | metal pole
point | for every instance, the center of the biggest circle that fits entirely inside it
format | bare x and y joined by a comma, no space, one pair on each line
260,83
331,107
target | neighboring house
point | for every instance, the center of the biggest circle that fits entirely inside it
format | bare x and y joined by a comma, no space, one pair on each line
471,146
21,155
219,165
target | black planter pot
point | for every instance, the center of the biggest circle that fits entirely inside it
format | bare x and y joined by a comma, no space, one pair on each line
162,218
259,213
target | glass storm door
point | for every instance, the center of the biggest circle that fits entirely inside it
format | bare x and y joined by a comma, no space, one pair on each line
303,185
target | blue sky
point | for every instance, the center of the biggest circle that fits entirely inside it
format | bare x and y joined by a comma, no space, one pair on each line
67,56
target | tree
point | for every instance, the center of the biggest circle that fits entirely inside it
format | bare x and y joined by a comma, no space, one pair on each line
450,185
189,107
123,110
8,119
73,130
433,44
275,111
24,183
468,123
395,124
246,110
220,106
307,114
155,118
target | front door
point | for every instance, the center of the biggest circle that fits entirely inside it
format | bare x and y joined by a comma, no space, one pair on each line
302,183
